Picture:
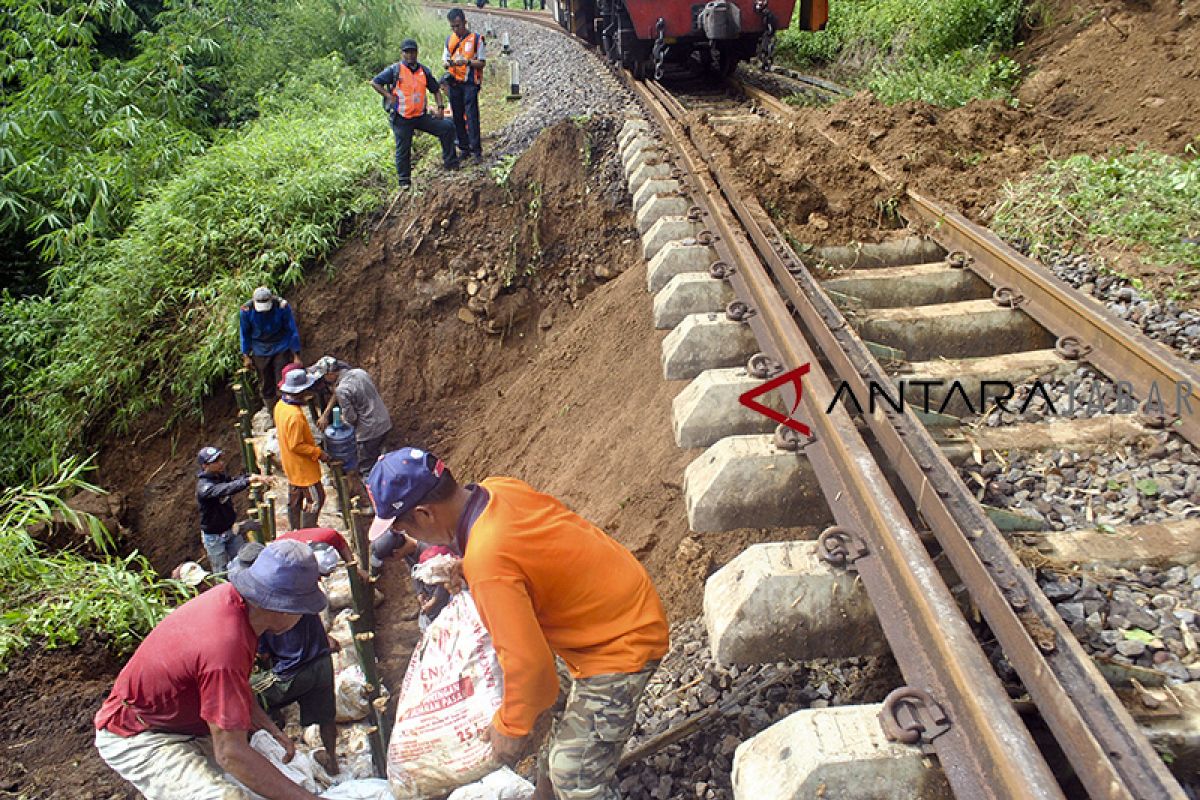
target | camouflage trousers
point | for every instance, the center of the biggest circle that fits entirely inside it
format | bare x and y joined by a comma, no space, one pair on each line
589,736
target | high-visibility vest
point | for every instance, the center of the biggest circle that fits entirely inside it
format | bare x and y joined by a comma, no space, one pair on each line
469,46
409,91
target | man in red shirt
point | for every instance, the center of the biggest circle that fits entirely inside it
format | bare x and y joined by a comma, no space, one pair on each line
181,711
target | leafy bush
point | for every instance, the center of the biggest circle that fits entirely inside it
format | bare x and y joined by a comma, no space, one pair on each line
53,598
82,131
894,45
955,80
1139,199
152,314
102,99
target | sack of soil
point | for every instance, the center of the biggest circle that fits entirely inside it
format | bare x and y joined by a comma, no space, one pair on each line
451,691
503,784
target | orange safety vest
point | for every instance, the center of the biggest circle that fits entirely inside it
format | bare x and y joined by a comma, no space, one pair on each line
469,45
409,91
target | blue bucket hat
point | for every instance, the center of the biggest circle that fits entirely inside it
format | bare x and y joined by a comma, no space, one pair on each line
208,455
297,381
399,481
282,578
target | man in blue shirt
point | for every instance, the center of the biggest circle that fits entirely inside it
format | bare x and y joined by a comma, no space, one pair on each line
270,340
303,670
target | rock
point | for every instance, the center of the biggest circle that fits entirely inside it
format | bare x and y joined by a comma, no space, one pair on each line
1060,589
1141,618
509,310
465,315
1130,648
1072,613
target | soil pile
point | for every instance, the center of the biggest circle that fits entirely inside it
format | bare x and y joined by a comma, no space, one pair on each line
1099,76
47,700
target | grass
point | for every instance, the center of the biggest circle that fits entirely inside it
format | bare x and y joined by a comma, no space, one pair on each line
951,81
152,314
945,52
54,598
1139,201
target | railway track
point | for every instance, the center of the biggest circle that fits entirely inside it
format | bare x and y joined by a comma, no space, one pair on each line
992,754
898,503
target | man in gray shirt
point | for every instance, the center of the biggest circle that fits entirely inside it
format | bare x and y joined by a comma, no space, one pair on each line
355,393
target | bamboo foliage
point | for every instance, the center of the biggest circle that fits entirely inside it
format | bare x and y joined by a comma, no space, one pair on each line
54,597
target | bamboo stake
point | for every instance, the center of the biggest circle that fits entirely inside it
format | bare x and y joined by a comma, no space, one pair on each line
254,513
267,512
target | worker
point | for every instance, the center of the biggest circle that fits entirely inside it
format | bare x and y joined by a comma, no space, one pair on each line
431,598
181,711
301,670
546,582
298,451
355,394
270,339
214,495
403,86
464,56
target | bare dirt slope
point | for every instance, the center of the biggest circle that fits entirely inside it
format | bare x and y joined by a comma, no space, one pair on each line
1099,76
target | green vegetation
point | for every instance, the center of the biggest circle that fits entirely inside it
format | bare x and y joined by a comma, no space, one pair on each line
941,51
54,598
102,98
145,258
1136,200
152,314
158,159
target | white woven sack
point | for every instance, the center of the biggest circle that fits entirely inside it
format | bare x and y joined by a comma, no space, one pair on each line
451,692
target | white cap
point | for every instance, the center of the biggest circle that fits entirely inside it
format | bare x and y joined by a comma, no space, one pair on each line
263,297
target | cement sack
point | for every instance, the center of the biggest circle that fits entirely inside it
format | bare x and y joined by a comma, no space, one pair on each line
337,589
300,770
503,784
363,789
353,750
350,694
451,692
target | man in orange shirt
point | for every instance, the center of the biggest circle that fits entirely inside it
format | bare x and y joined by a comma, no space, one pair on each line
299,452
546,582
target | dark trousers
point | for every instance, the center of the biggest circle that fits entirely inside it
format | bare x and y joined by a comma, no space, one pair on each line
301,498
464,107
270,369
402,129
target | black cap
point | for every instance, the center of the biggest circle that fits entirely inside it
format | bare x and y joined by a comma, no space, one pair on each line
408,44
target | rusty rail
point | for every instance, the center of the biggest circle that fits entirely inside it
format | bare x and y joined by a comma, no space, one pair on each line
1101,740
1097,335
985,751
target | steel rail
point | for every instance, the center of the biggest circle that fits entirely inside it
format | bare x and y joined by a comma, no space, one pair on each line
1103,338
1101,740
543,18
986,752
1106,340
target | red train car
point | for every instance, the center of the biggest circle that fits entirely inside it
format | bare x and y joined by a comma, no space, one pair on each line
643,35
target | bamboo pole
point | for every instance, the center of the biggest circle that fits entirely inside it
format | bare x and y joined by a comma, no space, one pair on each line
267,517
254,513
